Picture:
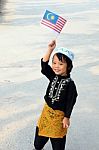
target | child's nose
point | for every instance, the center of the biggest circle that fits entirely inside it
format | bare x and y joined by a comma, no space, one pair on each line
57,65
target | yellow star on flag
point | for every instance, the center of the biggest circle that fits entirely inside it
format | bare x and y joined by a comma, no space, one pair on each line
52,17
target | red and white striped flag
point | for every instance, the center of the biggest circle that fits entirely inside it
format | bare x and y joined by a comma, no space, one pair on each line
53,21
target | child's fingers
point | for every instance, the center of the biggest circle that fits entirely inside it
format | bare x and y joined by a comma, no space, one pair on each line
52,43
65,125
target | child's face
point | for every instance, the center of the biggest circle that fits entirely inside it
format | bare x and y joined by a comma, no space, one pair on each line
59,67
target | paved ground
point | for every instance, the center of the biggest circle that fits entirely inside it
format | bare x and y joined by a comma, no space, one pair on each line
22,43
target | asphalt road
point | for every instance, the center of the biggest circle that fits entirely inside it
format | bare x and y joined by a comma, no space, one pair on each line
21,84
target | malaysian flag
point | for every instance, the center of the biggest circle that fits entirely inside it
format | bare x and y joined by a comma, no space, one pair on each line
53,21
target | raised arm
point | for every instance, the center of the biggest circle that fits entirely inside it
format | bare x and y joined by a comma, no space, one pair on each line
51,47
45,67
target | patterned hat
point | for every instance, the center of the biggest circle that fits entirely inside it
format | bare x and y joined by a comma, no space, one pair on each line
65,51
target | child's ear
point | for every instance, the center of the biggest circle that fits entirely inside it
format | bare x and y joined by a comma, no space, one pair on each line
70,68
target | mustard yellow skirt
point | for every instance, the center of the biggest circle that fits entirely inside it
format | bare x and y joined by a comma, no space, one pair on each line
50,123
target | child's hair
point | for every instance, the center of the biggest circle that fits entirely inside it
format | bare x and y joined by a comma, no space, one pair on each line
63,58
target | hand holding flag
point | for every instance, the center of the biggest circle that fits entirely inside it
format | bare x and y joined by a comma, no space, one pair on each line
53,21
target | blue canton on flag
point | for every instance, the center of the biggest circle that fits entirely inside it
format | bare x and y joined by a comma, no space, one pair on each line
53,21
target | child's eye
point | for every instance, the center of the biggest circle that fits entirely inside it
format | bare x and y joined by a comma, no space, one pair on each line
54,63
61,64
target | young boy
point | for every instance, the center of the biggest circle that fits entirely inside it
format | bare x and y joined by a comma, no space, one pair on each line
60,98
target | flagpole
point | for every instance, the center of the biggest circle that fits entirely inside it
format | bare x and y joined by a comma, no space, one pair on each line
57,36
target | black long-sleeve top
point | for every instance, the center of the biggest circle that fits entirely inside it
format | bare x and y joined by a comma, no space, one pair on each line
61,92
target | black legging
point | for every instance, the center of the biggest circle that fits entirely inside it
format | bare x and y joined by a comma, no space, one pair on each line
57,143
